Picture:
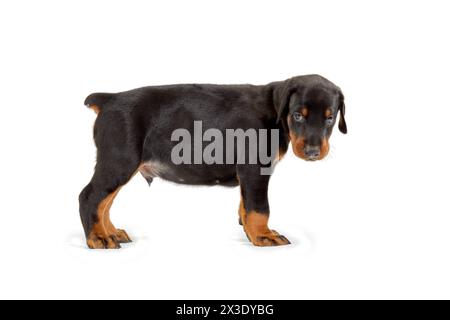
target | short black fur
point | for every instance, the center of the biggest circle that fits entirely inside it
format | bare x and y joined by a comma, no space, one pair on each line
135,127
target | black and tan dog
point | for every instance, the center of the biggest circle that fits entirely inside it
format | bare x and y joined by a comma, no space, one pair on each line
133,134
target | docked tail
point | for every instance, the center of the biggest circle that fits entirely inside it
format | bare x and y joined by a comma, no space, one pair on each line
96,101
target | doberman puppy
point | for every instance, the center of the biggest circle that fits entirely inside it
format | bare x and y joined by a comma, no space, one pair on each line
134,130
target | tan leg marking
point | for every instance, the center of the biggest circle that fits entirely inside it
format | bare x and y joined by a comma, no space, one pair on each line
120,234
100,237
104,234
257,229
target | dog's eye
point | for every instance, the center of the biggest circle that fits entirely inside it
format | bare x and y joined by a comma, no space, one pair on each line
329,121
298,117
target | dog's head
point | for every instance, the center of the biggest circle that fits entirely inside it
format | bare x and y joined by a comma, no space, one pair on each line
309,107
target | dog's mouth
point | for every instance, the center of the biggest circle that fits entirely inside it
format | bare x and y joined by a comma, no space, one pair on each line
309,153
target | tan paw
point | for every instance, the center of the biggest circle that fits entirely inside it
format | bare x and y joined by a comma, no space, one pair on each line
269,239
122,236
108,242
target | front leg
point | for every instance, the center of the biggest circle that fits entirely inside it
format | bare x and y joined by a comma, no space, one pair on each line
254,209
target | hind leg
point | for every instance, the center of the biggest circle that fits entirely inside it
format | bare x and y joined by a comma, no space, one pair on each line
111,173
121,235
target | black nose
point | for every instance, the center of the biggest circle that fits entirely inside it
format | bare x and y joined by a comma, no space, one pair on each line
312,152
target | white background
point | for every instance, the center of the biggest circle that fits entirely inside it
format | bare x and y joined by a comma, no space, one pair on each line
371,221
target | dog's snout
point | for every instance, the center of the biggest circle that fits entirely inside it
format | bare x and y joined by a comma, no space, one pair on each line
312,152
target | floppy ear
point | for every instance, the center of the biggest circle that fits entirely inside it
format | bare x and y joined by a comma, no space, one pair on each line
282,96
342,124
